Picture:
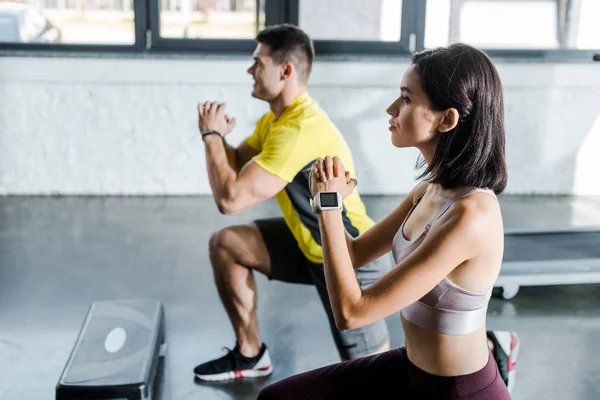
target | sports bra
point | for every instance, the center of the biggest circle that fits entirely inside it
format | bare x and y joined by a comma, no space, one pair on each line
447,308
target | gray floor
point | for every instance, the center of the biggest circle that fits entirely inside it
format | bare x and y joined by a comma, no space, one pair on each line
57,255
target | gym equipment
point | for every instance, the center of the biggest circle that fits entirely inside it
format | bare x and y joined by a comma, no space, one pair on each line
116,353
549,257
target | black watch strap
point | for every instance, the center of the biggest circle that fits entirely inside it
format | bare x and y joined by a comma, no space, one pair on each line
210,132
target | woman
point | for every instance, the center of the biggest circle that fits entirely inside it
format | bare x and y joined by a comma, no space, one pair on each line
446,237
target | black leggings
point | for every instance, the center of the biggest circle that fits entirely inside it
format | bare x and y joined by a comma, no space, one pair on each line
388,375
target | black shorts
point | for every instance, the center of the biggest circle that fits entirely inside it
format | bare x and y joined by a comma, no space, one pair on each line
289,264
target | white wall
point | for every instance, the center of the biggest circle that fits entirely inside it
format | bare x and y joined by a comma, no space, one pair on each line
128,126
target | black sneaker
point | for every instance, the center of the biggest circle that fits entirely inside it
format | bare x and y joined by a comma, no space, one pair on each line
234,365
506,353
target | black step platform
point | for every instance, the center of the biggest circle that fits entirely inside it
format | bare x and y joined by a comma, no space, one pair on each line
116,353
549,257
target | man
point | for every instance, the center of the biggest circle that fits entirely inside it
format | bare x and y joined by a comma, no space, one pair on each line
275,161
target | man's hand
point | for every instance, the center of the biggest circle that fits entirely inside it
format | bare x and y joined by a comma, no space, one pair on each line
211,116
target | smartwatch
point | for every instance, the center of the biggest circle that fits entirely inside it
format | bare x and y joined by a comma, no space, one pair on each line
325,201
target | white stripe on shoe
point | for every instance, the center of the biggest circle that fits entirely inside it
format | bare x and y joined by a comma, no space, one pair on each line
513,355
237,374
504,340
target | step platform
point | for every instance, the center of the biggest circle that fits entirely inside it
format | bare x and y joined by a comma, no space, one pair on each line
549,257
117,352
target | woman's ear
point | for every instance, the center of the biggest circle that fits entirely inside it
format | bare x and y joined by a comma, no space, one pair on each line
449,120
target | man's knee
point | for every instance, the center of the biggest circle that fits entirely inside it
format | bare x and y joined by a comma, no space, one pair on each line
219,245
223,239
239,245
213,243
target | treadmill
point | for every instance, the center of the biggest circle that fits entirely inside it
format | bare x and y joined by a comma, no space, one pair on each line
549,257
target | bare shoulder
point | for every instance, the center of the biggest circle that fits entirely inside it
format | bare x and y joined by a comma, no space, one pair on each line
474,218
480,202
476,222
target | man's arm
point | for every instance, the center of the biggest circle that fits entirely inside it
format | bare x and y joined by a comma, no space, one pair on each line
238,157
231,153
234,193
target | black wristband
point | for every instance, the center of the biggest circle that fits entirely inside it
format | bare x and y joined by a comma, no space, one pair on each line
210,132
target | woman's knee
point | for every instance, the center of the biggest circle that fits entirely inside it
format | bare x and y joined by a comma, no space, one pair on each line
270,393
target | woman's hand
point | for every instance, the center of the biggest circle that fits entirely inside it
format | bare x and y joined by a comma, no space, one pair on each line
329,175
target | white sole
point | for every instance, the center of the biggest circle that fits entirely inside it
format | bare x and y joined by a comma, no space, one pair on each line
245,373
514,356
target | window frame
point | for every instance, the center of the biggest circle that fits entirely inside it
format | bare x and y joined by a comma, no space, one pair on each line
412,27
412,37
276,12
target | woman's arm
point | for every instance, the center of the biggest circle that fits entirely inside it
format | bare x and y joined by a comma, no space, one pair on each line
377,241
453,239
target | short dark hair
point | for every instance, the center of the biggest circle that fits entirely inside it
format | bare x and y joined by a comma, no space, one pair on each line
288,43
473,153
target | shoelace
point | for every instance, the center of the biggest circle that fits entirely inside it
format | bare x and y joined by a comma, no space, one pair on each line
232,354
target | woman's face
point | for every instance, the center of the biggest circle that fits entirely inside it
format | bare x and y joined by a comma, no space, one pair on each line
413,123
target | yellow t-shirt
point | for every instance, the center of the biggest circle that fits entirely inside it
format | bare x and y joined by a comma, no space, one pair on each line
287,148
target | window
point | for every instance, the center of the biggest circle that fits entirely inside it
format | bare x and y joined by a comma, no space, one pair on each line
70,21
555,30
349,27
33,26
9,29
588,30
215,19
510,24
361,20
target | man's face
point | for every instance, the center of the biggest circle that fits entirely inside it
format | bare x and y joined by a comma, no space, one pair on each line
268,82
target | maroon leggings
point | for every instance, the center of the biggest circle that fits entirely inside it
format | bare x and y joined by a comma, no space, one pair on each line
388,375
